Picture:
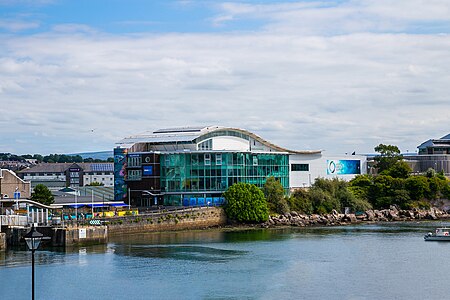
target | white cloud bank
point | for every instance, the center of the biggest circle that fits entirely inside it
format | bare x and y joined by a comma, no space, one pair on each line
302,89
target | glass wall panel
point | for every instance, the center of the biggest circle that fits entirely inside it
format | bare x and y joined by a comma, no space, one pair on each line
193,175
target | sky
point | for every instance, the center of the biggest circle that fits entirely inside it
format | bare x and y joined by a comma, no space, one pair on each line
339,76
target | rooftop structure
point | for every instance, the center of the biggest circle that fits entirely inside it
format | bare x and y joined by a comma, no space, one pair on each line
435,146
191,138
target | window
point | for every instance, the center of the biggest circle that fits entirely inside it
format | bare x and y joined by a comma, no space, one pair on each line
255,160
134,161
300,167
194,159
134,175
219,159
207,159
205,145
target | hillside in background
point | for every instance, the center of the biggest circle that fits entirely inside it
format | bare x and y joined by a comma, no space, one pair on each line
104,155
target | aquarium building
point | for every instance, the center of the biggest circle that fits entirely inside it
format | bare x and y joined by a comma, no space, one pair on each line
192,166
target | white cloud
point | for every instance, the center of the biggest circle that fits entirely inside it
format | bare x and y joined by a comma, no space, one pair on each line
331,17
341,93
16,26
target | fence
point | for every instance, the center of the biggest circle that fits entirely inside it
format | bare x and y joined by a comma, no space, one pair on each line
13,220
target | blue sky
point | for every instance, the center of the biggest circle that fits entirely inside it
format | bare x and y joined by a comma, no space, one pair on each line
341,76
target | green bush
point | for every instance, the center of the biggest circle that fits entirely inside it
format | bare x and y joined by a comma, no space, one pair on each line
246,203
299,201
419,205
42,194
274,193
417,187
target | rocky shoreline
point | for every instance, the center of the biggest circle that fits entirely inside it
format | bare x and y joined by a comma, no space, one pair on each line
393,214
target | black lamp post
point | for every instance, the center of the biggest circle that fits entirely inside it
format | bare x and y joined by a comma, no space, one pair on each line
33,239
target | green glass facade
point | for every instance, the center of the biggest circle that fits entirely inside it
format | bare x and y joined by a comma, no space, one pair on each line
203,177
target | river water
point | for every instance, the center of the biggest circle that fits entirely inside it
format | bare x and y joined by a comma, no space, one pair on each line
382,261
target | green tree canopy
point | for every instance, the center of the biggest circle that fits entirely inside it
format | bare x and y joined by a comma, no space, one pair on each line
95,183
274,192
388,157
300,202
246,203
42,195
399,169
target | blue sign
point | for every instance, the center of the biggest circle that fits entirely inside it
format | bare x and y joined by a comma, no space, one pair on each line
148,171
343,167
16,195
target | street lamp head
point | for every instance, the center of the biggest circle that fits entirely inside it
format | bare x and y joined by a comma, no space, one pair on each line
33,238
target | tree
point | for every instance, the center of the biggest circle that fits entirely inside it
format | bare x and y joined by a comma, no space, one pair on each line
246,203
322,195
360,186
418,187
42,195
95,183
299,201
389,156
399,169
274,192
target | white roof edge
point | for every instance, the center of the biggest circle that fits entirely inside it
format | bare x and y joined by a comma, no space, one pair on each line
194,134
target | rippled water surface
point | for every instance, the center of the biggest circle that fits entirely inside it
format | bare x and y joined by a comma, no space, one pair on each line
388,261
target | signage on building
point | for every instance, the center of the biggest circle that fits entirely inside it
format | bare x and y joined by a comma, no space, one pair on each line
82,233
343,167
148,171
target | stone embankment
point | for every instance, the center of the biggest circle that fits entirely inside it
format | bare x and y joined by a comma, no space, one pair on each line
334,218
194,218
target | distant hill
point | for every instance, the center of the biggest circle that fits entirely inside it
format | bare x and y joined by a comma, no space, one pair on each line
104,155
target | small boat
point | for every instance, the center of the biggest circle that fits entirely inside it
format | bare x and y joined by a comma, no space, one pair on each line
441,234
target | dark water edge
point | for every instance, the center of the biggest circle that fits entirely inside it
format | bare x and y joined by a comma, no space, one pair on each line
366,261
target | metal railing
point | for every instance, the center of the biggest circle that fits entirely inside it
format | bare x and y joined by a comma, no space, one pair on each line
13,220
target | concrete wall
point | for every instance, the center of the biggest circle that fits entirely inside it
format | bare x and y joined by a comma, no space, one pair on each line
2,241
170,221
10,182
85,235
230,143
318,168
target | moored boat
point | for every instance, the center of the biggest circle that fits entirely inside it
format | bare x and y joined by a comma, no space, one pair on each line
441,234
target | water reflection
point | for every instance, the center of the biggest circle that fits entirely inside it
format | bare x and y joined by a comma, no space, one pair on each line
179,252
208,245
207,236
19,257
347,262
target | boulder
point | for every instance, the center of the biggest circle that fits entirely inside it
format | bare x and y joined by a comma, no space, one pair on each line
350,218
370,215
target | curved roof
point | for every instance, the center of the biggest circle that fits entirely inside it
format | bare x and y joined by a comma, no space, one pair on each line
197,134
34,203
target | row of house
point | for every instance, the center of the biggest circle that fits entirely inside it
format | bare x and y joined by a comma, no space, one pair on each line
57,176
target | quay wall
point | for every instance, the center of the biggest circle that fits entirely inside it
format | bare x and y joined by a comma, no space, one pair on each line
198,218
81,236
2,241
